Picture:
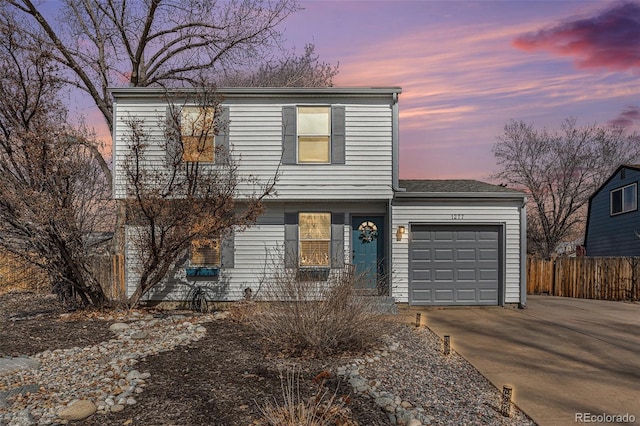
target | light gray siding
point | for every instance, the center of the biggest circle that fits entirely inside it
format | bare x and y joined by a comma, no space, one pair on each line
257,250
407,214
255,137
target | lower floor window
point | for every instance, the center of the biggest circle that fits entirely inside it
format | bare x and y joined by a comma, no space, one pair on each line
314,239
205,252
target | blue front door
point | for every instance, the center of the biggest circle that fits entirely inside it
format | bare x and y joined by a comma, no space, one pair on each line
367,245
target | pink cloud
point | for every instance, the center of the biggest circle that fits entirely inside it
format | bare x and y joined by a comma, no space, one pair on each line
608,40
627,118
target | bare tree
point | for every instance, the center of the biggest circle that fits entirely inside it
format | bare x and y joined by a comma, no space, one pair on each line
560,170
292,70
184,202
156,42
53,193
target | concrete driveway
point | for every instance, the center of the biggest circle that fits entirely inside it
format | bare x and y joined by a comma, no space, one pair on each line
562,356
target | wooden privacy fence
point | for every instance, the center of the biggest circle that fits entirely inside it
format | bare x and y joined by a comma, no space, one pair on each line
109,271
606,278
16,274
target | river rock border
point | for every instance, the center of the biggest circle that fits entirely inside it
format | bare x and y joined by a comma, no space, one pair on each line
400,412
72,384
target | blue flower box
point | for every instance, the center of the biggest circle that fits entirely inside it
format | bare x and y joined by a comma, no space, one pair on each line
203,271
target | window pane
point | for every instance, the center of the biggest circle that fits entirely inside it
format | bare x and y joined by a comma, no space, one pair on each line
313,149
198,148
616,201
313,121
197,121
314,253
197,130
629,198
315,226
205,253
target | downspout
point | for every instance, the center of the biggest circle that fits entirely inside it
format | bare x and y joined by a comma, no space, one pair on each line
523,254
395,143
113,148
395,166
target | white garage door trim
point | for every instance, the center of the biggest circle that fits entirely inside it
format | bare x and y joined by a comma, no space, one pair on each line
456,264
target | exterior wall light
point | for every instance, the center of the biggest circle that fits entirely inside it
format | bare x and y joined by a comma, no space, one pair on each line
400,232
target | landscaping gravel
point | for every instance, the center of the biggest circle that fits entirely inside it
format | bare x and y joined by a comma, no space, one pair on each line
415,382
408,377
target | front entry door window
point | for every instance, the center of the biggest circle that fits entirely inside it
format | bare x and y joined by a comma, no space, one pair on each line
367,245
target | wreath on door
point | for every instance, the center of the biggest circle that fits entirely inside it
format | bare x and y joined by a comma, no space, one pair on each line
368,232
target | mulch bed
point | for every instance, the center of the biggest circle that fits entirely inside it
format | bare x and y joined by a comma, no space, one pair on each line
223,379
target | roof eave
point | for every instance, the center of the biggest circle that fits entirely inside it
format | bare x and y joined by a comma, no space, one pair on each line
120,92
483,195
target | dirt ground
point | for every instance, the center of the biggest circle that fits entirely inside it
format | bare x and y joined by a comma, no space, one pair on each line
223,379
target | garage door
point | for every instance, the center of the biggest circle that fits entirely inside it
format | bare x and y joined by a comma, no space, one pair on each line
454,265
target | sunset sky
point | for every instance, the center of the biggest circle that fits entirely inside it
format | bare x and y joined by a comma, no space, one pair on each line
467,67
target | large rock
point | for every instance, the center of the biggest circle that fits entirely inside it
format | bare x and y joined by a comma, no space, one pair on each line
78,410
118,327
140,335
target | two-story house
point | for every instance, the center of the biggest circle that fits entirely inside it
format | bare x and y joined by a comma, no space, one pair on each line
340,200
613,219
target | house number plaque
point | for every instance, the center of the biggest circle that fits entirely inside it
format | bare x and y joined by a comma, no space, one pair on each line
457,216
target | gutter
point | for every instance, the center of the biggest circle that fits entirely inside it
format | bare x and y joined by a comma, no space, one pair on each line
480,195
260,92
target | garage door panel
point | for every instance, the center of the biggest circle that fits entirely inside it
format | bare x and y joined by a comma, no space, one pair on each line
454,264
443,295
443,236
421,274
465,254
487,295
443,254
421,254
444,275
421,235
488,275
487,254
466,295
467,275
487,236
466,236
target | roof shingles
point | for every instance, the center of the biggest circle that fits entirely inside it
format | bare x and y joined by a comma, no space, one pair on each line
452,185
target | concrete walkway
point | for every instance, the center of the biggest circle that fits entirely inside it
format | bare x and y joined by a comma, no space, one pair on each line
562,356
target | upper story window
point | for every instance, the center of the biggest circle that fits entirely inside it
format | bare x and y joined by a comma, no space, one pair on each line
315,239
314,134
205,252
197,133
624,199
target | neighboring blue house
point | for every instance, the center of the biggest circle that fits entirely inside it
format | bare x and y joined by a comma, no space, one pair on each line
613,221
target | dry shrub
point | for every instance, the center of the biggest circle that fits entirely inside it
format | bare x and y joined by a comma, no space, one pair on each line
323,409
322,315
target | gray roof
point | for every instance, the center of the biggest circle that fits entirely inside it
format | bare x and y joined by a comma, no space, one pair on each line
453,186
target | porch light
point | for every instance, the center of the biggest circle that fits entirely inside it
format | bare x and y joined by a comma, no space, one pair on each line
400,232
